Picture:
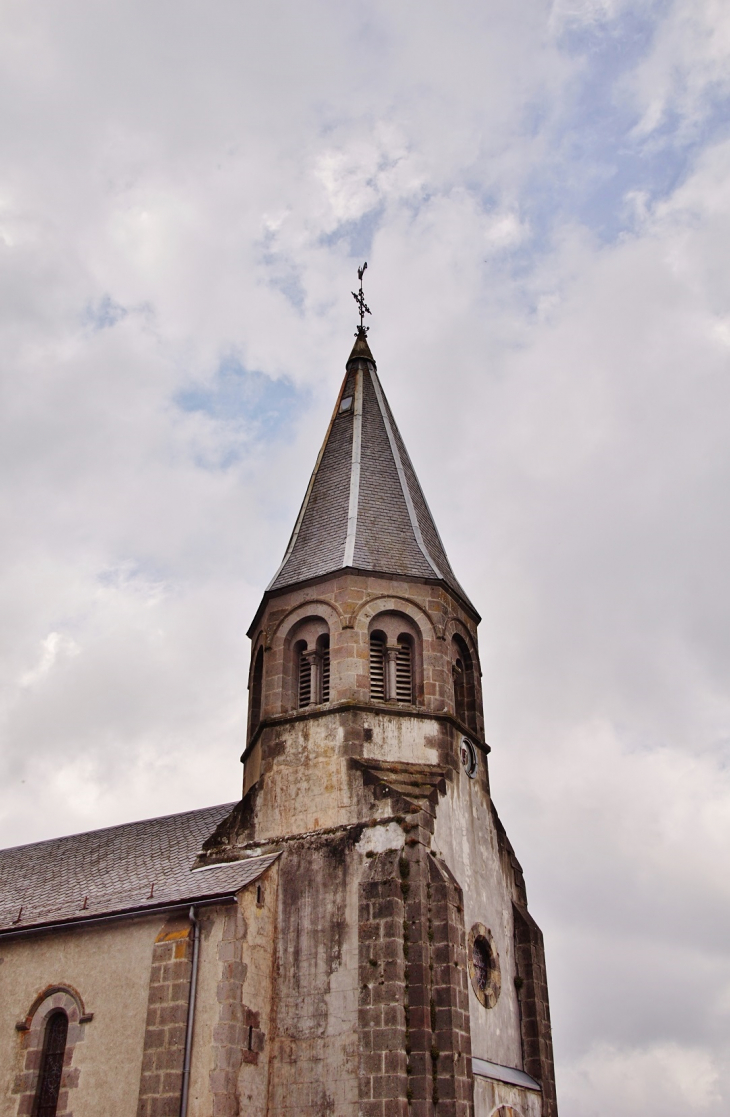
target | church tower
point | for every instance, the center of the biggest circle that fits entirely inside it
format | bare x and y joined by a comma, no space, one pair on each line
402,974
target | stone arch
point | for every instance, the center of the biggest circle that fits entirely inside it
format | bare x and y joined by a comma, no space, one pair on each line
256,688
331,612
454,626
393,603
53,999
306,660
395,643
50,991
506,1111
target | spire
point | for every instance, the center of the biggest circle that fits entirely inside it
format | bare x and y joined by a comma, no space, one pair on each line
364,508
361,347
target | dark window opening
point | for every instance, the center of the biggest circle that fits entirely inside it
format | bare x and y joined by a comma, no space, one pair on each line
256,689
482,959
465,683
49,1079
459,690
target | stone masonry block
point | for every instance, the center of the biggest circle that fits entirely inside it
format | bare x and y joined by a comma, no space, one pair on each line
390,1086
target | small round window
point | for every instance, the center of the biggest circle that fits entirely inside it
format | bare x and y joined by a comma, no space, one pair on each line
469,757
484,968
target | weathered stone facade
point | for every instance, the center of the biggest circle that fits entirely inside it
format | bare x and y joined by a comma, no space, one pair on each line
324,783
356,927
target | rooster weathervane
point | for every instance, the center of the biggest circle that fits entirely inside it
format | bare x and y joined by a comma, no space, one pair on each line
359,298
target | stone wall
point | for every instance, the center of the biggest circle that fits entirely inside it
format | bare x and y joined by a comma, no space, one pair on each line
534,1007
312,1044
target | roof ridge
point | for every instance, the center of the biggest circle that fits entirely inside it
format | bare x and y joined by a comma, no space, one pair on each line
401,475
118,826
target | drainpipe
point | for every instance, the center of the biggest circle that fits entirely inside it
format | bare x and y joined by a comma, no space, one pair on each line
191,1015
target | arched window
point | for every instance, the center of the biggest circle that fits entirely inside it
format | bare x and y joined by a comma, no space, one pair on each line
311,664
392,659
51,1069
377,666
257,682
463,675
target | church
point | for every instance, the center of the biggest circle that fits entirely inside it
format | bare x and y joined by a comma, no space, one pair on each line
352,937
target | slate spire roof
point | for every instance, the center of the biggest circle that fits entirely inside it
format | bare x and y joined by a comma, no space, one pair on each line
364,508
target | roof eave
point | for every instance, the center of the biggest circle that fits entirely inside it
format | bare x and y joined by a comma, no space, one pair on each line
462,599
136,912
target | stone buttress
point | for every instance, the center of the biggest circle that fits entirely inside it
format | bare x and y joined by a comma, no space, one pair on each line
407,975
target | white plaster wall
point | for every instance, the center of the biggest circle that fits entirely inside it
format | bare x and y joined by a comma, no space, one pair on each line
466,839
309,784
109,965
403,739
307,787
489,1095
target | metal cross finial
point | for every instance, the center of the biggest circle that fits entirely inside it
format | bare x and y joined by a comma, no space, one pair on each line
359,298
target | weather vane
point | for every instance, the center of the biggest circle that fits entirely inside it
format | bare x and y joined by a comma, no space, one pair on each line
359,298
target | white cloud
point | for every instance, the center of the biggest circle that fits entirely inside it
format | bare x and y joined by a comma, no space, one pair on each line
54,646
686,70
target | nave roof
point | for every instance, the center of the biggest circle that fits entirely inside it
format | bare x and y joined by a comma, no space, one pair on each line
135,867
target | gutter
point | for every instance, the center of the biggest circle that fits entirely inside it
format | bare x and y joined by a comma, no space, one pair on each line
190,1022
130,913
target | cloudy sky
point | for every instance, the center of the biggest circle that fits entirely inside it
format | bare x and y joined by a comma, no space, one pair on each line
541,192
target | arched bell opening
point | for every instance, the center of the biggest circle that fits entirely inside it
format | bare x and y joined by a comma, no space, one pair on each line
464,683
307,674
395,659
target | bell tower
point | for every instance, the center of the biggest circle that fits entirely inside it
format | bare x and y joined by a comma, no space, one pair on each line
405,976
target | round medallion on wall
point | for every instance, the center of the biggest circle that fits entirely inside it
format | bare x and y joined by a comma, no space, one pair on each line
468,757
484,971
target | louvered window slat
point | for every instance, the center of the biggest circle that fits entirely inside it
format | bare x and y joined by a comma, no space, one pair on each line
377,669
403,673
305,680
326,674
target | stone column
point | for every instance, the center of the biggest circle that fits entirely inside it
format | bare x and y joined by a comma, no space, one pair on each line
391,652
164,1042
314,659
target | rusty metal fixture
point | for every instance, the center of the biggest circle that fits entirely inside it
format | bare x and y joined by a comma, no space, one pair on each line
359,298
